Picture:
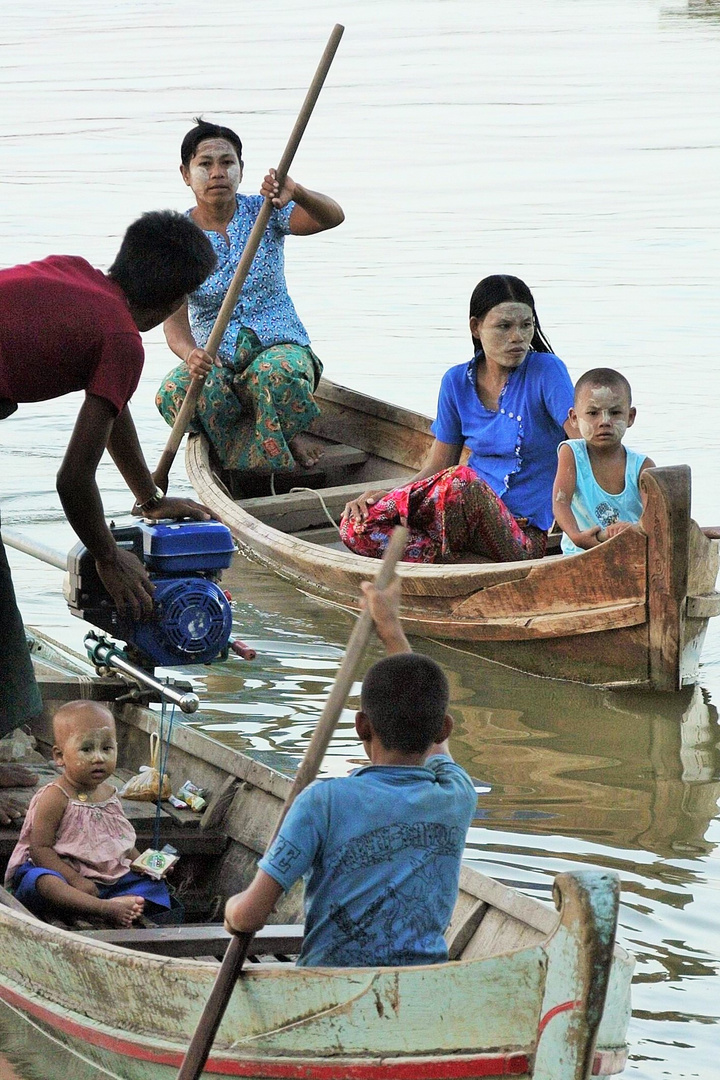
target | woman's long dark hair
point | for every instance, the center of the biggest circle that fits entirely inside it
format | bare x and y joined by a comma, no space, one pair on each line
501,289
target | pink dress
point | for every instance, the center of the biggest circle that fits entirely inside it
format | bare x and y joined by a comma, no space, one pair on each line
95,838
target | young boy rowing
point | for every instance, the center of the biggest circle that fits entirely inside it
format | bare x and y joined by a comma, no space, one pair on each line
380,849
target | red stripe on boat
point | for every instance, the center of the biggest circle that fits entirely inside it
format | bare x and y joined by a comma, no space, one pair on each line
554,1012
448,1067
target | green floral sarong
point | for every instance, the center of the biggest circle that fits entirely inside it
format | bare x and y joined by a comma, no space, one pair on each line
252,406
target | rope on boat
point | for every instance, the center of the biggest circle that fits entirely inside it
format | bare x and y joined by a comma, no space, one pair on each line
313,491
162,765
328,515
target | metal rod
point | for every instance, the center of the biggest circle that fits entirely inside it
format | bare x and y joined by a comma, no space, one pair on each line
105,654
30,547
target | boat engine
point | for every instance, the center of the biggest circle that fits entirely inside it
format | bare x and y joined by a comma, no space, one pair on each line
192,619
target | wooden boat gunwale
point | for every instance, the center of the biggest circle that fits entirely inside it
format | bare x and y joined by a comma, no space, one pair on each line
653,586
68,983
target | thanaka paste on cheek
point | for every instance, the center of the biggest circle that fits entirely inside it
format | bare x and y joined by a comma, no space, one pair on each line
604,399
93,744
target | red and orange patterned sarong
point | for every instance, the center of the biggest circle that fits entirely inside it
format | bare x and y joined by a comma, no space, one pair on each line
449,515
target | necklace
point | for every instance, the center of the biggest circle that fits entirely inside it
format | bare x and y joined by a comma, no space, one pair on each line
82,796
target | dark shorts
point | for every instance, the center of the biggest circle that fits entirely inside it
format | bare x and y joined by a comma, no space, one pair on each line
24,888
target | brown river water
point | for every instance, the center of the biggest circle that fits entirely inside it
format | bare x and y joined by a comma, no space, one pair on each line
573,142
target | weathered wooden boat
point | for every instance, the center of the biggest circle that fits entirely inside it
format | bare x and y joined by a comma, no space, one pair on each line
631,612
529,992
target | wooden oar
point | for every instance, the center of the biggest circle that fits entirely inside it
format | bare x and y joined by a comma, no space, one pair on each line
201,1043
187,409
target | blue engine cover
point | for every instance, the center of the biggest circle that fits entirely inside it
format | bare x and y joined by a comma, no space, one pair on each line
191,624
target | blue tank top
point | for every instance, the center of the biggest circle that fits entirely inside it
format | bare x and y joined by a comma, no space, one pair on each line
591,504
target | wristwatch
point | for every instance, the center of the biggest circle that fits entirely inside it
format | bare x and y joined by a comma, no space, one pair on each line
152,502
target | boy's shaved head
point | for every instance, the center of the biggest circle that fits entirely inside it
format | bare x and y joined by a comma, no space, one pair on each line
86,715
603,377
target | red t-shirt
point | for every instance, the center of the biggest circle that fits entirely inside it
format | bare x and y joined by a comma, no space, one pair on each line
65,326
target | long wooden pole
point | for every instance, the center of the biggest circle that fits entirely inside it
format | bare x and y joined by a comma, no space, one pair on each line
187,409
201,1043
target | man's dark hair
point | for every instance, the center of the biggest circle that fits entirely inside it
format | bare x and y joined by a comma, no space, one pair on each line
604,376
163,256
205,130
405,698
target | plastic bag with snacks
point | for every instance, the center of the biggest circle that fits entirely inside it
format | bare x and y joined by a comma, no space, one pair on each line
145,785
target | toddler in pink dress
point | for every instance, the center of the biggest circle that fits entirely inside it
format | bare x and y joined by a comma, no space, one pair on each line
76,844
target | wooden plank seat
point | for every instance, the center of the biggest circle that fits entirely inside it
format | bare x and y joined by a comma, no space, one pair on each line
187,842
334,456
303,510
206,939
337,459
181,828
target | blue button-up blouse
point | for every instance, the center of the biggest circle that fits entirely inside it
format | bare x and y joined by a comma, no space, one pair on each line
514,449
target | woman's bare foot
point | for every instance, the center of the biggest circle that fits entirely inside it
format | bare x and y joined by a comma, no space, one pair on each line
305,450
122,910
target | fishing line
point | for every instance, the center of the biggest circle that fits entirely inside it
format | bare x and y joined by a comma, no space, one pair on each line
163,752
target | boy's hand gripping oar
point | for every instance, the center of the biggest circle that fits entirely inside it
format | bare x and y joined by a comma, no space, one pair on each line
201,1043
187,409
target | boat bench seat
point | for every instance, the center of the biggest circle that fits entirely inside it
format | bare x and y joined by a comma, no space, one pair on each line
334,456
304,509
337,459
206,939
181,828
186,841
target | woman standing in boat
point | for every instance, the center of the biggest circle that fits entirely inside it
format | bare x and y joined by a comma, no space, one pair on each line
258,396
509,405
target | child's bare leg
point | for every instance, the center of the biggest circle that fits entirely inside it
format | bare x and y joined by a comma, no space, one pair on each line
120,910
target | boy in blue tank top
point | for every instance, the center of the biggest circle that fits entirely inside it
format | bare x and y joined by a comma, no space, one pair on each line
380,849
596,493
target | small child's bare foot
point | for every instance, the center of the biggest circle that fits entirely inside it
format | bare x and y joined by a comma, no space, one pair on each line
712,532
123,910
305,450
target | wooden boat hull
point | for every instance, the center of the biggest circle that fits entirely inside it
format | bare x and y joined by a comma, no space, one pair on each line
631,612
532,993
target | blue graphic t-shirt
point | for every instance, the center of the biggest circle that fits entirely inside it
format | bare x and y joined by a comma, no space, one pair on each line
264,304
380,851
514,449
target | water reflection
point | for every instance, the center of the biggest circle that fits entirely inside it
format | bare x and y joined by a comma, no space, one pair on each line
573,142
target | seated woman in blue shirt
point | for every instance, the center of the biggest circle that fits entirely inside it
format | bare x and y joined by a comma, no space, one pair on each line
257,399
509,405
